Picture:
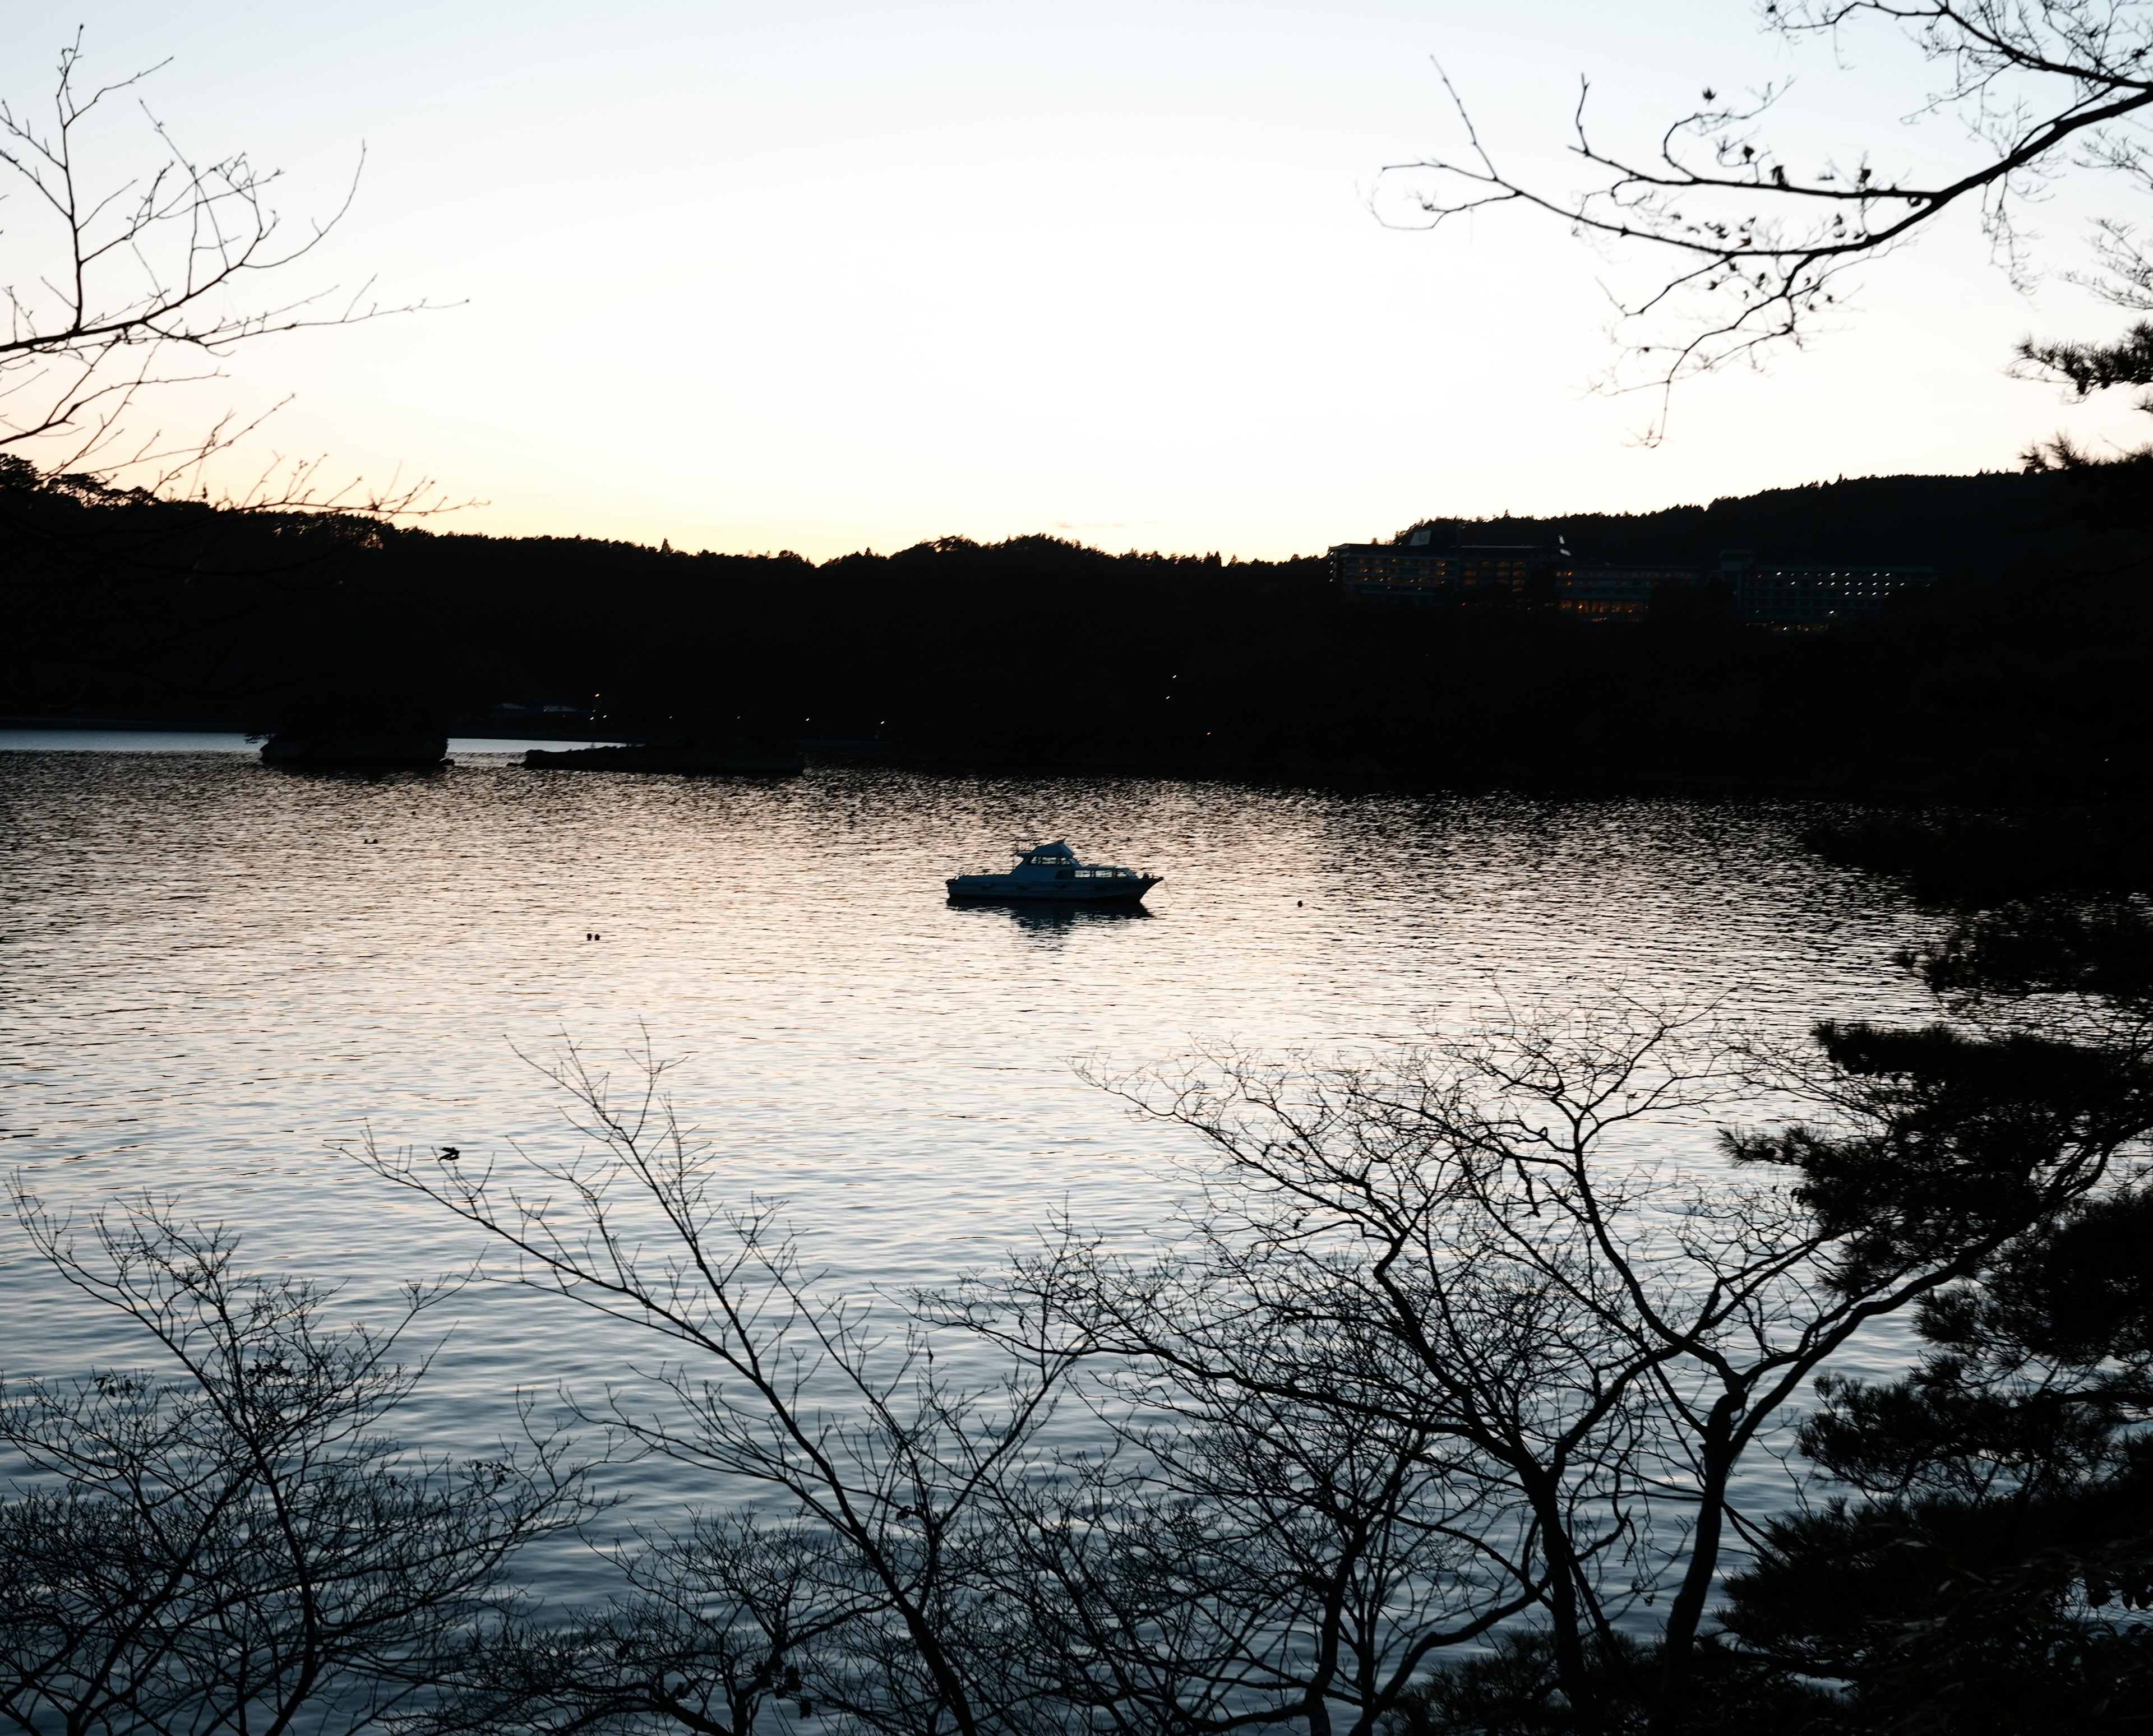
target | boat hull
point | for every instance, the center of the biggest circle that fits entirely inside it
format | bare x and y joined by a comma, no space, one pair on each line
1007,889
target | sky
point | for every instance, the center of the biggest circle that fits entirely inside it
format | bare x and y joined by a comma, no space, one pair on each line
829,275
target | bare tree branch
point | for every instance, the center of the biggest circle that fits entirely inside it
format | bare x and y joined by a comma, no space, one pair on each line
1757,244
228,1542
112,293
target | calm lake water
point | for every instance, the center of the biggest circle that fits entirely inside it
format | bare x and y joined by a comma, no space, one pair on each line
213,974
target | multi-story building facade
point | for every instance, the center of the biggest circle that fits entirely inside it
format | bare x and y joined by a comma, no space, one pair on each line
1549,576
1418,568
1814,596
1615,593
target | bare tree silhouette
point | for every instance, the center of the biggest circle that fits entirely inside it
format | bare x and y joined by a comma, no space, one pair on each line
1756,241
114,290
783,1394
716,1623
1441,1352
229,1542
1434,1363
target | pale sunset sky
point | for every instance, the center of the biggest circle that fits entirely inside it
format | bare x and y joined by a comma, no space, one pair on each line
825,275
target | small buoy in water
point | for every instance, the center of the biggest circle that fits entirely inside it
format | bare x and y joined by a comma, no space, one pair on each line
1296,904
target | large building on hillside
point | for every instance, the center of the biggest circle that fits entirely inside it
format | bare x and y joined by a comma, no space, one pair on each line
1549,576
1418,567
1580,587
1814,596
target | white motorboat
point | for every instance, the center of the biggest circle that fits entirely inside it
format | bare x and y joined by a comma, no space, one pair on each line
1052,871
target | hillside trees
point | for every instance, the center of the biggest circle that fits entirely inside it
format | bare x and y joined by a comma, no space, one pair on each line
131,268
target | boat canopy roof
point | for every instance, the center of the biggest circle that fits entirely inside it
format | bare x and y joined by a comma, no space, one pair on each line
1055,849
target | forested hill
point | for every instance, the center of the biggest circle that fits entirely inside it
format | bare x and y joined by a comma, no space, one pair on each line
1038,654
1964,525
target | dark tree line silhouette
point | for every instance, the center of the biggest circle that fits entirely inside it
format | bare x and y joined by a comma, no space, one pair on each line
1039,654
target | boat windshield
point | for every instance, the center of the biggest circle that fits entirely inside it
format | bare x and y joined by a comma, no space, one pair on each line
1068,865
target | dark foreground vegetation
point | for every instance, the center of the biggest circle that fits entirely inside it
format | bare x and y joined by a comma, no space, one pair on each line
1038,654
1435,1415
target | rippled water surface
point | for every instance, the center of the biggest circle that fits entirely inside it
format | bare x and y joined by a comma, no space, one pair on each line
215,974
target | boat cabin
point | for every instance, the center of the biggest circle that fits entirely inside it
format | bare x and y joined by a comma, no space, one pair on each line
1058,861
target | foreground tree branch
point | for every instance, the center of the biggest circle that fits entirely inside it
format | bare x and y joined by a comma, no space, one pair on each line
1443,1363
1578,1349
780,1392
228,1542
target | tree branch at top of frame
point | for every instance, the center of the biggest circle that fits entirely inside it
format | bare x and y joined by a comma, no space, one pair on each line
1753,246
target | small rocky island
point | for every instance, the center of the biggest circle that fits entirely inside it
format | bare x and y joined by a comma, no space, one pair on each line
370,748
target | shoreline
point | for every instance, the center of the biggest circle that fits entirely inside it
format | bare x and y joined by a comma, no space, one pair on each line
1904,784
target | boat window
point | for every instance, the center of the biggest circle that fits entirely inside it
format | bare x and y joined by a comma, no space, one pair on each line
1067,873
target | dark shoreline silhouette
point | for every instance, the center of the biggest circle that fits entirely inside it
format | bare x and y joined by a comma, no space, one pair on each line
2014,671
773,762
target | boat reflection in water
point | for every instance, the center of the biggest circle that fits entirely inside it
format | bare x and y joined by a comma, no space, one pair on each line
1051,921
1051,873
